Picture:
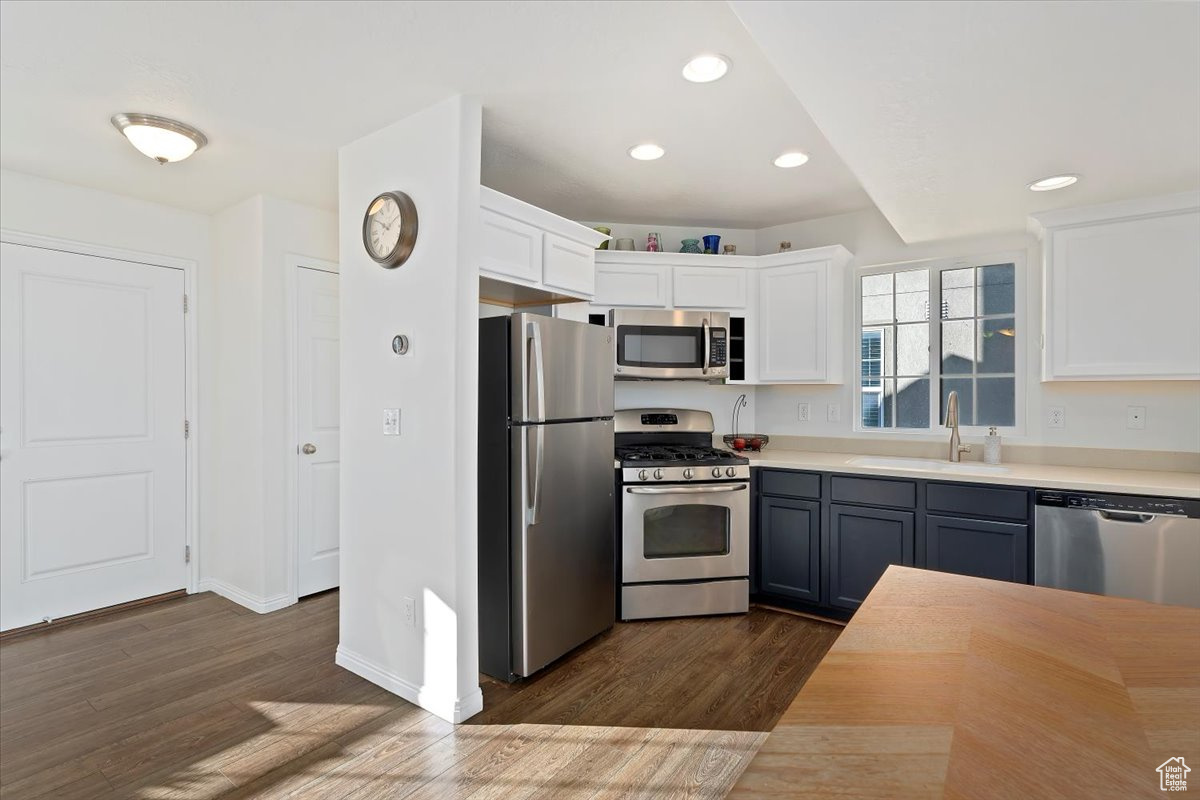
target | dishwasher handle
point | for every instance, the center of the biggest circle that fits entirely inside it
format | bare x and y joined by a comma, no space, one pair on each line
1125,516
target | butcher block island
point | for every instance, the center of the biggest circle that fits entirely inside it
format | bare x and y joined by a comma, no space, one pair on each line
950,686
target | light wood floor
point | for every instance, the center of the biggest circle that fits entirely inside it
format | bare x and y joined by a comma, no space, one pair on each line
199,698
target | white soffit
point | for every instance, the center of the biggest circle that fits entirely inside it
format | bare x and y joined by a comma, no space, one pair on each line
946,111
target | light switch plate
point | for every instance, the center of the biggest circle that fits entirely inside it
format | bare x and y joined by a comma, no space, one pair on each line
391,422
833,413
1135,417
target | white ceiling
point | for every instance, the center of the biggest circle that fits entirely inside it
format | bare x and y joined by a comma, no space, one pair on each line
946,111
566,87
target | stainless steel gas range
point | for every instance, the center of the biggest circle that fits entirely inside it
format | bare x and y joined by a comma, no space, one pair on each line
685,517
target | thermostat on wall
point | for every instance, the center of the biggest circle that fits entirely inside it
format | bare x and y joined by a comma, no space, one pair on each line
400,344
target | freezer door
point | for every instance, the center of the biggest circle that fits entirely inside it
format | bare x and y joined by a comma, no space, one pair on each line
564,540
561,369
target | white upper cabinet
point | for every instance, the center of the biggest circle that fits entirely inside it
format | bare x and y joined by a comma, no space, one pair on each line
528,246
1122,290
511,248
709,287
632,283
800,316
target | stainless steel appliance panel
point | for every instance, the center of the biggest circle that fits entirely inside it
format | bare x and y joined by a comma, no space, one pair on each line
670,345
561,369
673,532
564,574
655,600
1145,556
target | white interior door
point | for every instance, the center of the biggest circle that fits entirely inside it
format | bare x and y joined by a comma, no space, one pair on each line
317,408
92,451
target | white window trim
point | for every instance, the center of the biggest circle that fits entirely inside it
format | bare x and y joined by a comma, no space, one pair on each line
1024,330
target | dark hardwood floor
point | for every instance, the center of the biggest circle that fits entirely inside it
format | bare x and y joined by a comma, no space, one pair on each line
199,698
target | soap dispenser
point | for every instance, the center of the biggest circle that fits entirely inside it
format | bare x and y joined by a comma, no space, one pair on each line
991,447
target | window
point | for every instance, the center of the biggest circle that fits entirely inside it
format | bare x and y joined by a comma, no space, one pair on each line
968,346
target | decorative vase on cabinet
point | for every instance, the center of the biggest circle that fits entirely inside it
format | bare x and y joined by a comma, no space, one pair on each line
690,246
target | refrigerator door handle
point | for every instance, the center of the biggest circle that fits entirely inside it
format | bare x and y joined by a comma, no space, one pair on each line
533,478
533,332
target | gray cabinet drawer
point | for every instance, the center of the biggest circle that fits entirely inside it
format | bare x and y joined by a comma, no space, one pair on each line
874,491
790,484
977,501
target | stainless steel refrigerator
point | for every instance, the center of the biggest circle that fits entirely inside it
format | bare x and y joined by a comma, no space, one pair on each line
547,541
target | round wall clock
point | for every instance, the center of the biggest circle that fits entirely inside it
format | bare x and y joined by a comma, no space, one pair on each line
389,229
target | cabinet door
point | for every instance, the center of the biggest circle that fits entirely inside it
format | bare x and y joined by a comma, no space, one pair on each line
862,543
1095,329
633,285
795,327
511,248
997,550
709,287
568,266
789,548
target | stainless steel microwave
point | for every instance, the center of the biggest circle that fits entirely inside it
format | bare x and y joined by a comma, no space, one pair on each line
670,345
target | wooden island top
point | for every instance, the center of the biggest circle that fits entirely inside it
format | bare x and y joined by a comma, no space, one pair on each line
957,687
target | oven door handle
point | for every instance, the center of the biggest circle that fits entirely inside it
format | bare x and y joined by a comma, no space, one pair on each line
686,489
706,344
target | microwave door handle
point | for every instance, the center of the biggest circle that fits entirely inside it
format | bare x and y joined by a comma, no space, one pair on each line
704,342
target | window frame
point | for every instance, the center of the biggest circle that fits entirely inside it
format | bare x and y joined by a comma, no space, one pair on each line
936,267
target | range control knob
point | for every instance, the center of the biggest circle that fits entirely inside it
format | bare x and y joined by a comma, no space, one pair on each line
716,472
642,475
687,474
658,474
731,471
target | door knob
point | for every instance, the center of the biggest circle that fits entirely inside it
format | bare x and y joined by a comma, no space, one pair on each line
308,449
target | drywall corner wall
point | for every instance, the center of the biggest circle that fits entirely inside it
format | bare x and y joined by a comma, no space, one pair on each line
408,502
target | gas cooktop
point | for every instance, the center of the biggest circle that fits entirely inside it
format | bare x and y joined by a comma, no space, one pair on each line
652,455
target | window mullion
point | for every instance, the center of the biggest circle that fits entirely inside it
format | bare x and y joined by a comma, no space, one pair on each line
935,347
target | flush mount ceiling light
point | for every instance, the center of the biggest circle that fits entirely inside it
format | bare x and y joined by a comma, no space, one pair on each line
1053,182
706,68
646,152
792,159
159,138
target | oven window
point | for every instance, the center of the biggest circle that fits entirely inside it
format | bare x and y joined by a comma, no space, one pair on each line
683,531
658,346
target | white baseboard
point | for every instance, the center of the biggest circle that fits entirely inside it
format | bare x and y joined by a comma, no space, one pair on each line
260,605
457,711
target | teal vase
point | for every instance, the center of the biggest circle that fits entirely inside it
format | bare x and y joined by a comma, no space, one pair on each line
691,246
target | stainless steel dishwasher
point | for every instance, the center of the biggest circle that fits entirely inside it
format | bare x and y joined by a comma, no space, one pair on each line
1147,548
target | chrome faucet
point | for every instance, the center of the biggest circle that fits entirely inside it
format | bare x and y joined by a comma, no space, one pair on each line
957,448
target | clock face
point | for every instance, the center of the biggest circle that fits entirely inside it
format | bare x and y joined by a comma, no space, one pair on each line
384,221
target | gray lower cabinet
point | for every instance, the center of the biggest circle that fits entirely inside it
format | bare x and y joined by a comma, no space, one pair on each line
863,542
982,548
790,547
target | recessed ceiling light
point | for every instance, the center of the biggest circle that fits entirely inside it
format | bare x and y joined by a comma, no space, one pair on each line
646,152
706,68
1053,182
792,159
158,137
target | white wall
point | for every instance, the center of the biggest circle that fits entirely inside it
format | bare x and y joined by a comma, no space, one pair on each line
252,242
408,502
716,399
29,204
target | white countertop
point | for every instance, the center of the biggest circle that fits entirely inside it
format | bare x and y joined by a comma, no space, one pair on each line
1041,476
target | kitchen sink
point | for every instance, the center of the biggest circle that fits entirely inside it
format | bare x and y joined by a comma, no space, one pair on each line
928,464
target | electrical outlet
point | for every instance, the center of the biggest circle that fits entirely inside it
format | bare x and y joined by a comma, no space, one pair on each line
1135,417
410,612
804,412
1056,417
391,422
833,412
